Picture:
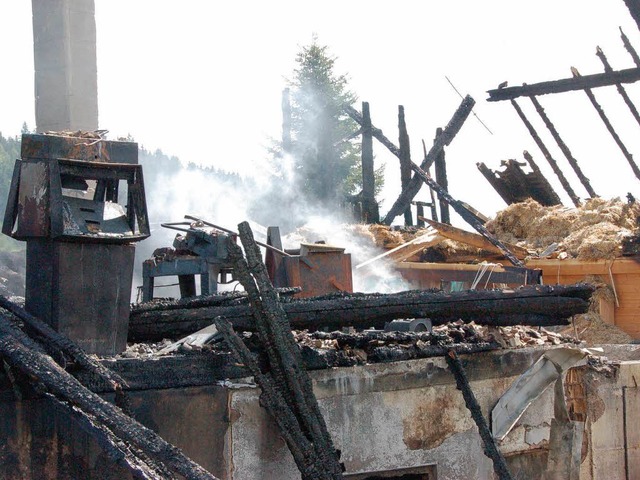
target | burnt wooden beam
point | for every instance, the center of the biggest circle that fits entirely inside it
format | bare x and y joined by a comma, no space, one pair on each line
534,305
20,352
634,10
444,139
545,193
547,155
563,147
490,447
375,132
405,159
609,126
286,368
58,345
369,205
467,215
441,179
629,75
629,48
432,195
621,90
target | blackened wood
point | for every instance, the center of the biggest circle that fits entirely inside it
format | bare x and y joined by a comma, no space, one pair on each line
563,147
286,121
432,195
447,136
22,354
369,205
55,342
272,399
375,132
466,215
609,126
11,209
441,179
629,75
634,10
490,447
621,90
539,305
405,159
629,48
547,155
285,360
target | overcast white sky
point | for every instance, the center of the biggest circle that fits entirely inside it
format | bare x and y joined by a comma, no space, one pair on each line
202,80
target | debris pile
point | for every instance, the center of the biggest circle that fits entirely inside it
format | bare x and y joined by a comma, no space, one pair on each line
593,231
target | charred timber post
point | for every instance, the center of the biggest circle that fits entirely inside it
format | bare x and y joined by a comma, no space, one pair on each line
490,447
634,10
447,136
21,353
629,48
434,208
375,132
621,90
563,147
405,159
629,75
465,214
285,359
609,126
547,154
441,178
369,206
272,400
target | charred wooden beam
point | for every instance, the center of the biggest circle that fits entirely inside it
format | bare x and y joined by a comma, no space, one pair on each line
629,48
441,179
621,90
629,75
490,447
19,351
285,361
447,136
405,159
474,239
537,306
57,344
432,195
467,215
609,126
369,205
375,132
547,155
563,147
634,10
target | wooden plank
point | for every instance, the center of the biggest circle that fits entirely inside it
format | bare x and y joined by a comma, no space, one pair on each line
473,239
580,267
455,267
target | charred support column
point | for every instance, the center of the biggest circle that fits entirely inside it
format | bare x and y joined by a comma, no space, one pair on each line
563,146
609,127
66,78
405,159
369,205
441,178
634,10
447,136
547,154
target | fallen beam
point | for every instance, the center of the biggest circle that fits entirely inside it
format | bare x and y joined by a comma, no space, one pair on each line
630,75
540,305
19,351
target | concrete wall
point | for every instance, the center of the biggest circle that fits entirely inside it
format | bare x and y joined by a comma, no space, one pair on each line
384,417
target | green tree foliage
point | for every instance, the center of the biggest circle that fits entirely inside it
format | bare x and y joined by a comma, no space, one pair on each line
324,161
